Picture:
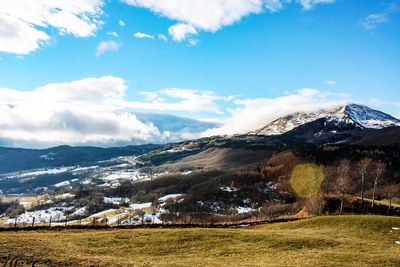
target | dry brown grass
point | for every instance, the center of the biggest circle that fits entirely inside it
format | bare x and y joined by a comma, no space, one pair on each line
323,241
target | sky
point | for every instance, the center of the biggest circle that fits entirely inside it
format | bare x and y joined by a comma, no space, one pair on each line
115,72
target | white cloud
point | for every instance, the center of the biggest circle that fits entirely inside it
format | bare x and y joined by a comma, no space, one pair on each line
195,15
330,82
114,34
373,20
17,37
162,37
309,4
141,35
24,24
93,111
206,15
150,96
121,23
252,114
273,5
391,107
78,112
106,46
181,31
193,41
179,99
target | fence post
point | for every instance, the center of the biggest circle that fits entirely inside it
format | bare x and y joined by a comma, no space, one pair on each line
117,221
93,221
33,221
15,222
66,220
50,222
106,221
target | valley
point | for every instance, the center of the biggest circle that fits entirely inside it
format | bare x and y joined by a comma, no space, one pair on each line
221,178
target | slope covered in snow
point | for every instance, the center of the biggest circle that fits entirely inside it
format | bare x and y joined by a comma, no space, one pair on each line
357,115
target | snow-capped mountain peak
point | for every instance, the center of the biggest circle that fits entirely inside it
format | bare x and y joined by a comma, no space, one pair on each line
358,115
370,118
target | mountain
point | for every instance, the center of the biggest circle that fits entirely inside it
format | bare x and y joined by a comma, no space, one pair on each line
20,159
347,117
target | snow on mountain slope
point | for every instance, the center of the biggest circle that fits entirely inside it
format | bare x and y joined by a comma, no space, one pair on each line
358,115
370,118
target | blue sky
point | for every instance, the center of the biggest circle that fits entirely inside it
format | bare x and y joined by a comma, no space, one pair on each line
345,50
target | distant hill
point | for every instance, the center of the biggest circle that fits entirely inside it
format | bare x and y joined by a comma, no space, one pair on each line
19,159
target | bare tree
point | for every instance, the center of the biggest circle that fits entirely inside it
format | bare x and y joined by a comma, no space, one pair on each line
343,182
379,171
363,167
392,189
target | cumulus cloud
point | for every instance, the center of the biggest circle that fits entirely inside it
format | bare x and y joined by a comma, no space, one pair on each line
194,15
94,111
179,99
181,31
78,112
24,25
206,15
252,114
106,46
141,35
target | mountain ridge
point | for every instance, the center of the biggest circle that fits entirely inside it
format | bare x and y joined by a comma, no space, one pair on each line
351,114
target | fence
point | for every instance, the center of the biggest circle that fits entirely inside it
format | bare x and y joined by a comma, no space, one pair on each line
181,221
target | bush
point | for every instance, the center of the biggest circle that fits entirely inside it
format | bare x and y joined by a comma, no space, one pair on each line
14,209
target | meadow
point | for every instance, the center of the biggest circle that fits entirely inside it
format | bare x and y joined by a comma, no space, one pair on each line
320,241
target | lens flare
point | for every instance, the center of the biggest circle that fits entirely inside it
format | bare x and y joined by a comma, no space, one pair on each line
306,179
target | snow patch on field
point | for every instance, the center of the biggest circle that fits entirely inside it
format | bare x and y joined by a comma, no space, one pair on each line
64,196
41,216
41,172
228,189
115,200
170,196
80,211
84,169
138,206
63,183
86,182
127,175
241,210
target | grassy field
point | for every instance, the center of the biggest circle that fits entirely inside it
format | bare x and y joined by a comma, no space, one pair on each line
322,241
